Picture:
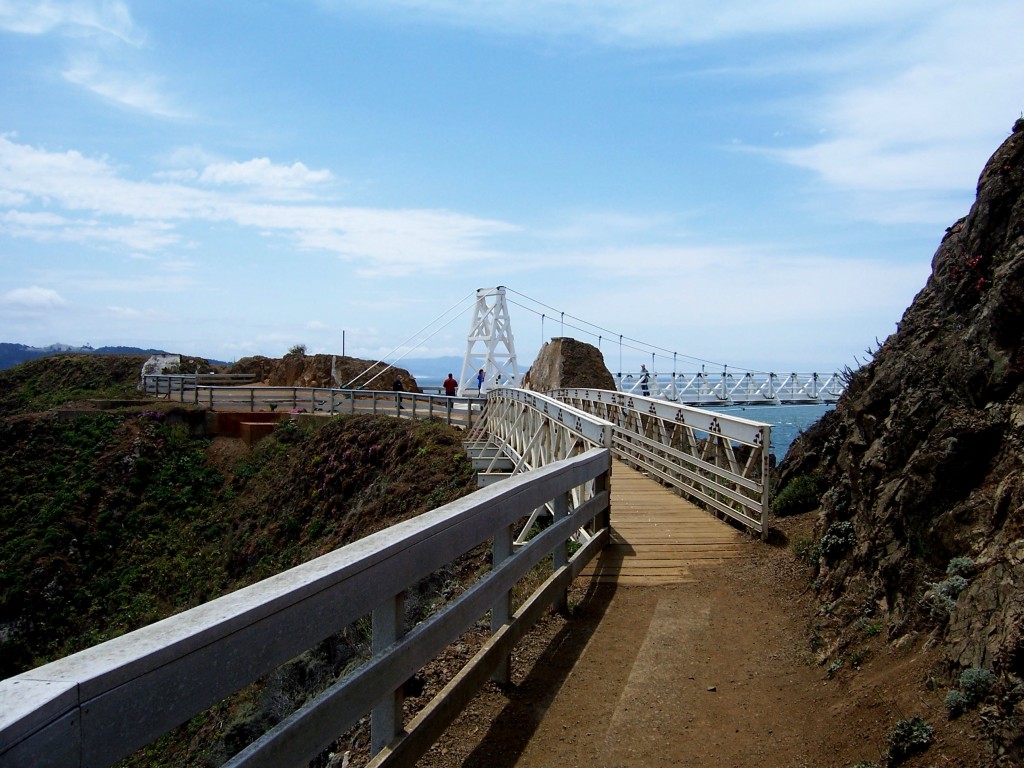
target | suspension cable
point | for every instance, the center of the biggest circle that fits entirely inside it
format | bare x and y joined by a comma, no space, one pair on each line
424,328
645,346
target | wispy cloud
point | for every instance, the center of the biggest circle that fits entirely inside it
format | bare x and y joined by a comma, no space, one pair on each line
86,198
270,179
928,122
644,22
123,86
32,298
38,17
104,50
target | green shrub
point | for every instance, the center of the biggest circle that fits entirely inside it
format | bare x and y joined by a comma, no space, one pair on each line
975,683
940,597
805,548
908,738
956,703
838,538
960,566
801,494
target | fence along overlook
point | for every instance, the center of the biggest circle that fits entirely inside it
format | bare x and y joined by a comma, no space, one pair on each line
542,458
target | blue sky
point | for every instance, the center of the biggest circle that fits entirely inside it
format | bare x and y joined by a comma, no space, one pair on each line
760,183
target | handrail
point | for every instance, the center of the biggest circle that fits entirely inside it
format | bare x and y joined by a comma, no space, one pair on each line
718,460
96,706
459,411
521,431
732,388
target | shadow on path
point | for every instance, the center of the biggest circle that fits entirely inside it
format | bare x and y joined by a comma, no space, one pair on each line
512,729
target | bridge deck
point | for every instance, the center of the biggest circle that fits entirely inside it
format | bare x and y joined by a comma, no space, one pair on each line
657,536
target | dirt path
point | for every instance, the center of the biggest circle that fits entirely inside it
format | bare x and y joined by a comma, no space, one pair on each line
718,672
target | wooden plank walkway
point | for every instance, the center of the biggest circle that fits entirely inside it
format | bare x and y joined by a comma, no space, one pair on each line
658,537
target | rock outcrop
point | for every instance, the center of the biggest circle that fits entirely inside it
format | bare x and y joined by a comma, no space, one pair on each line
565,362
924,455
328,371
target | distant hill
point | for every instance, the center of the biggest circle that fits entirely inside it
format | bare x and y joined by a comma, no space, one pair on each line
13,354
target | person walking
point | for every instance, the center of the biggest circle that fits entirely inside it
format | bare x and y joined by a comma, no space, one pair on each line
398,388
480,383
644,378
451,386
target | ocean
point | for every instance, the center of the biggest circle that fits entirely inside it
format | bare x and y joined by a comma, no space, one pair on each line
787,420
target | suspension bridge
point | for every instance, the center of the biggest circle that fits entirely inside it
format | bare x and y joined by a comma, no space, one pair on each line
607,485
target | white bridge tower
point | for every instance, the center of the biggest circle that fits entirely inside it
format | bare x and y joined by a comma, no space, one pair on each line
489,345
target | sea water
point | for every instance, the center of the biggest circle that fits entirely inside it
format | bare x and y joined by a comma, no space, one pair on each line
787,421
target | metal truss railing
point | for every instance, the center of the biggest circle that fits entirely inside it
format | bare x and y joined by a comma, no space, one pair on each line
716,460
521,431
728,388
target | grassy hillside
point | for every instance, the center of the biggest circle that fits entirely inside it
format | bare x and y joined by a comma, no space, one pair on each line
112,520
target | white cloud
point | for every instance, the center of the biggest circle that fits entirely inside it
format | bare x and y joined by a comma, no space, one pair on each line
925,114
33,298
37,17
87,199
125,87
125,313
260,173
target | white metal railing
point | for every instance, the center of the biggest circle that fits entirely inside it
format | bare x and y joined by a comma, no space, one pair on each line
729,388
460,411
522,431
96,706
717,460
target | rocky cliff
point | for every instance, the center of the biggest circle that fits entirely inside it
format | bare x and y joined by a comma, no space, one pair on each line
924,457
566,362
297,369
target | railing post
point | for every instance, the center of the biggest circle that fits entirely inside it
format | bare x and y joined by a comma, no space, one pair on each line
501,611
386,718
560,556
766,442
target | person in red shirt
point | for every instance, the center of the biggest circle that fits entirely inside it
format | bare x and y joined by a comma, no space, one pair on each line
451,386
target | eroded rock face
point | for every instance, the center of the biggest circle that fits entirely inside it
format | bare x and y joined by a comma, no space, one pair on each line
565,362
326,371
925,452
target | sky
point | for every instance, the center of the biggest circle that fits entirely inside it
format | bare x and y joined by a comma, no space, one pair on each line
758,183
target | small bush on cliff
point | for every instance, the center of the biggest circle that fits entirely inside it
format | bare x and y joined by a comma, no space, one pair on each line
974,686
908,738
801,494
838,538
940,597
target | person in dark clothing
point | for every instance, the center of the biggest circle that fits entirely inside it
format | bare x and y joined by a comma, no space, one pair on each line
450,385
644,378
398,388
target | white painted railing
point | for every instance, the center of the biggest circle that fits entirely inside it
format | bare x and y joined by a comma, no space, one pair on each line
459,411
97,706
522,431
717,460
729,388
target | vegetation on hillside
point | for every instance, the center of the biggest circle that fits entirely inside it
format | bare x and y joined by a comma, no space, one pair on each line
113,520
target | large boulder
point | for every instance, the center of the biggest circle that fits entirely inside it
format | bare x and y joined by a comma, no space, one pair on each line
297,369
564,362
